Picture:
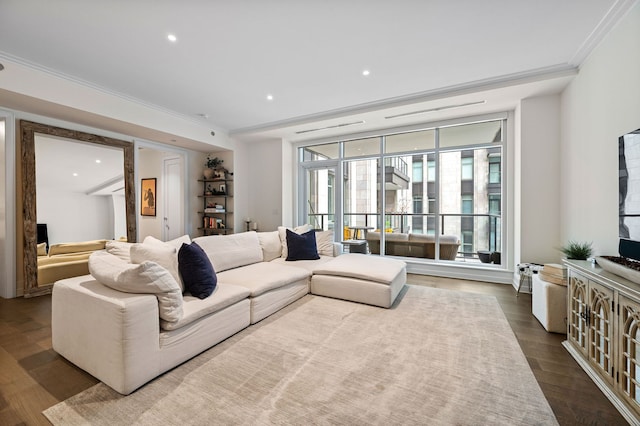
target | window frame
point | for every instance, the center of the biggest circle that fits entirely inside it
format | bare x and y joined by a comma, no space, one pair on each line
504,189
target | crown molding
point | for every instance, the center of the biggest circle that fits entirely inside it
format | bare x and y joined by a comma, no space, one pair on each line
614,15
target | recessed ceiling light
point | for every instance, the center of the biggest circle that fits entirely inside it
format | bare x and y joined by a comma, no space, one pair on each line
75,174
269,97
203,115
366,72
172,38
98,161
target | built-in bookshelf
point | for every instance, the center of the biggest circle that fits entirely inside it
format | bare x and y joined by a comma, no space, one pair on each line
217,202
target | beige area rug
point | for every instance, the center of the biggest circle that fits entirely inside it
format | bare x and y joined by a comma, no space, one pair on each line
438,357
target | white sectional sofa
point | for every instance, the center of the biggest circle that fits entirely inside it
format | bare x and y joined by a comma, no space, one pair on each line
126,338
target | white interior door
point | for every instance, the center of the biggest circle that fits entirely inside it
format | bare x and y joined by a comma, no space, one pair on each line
173,220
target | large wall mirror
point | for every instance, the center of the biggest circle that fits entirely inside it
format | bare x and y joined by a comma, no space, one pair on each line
76,186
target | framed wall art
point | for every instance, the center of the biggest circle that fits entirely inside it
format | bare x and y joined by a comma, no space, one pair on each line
148,198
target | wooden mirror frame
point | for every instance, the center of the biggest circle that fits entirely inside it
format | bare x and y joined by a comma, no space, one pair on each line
28,130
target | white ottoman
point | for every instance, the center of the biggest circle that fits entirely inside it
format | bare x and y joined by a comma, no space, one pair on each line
360,278
549,304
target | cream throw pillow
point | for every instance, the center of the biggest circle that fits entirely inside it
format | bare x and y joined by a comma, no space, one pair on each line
270,244
120,249
324,242
162,254
42,249
282,231
175,243
147,278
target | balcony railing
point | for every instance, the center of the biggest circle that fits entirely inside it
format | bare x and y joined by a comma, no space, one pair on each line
485,230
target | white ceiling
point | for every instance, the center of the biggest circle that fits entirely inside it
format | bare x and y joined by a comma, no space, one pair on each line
74,166
310,55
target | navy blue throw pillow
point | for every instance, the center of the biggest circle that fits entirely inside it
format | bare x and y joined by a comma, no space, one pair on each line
303,246
196,271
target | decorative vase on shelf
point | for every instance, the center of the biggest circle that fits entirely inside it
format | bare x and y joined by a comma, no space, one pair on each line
208,173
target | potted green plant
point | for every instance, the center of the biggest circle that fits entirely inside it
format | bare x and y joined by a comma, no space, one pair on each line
576,250
211,165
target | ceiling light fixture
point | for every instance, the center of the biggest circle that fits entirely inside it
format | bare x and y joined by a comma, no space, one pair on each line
269,97
336,126
366,72
172,38
98,161
425,111
75,174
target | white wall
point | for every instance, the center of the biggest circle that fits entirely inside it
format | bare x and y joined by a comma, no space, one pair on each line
266,171
7,218
601,104
119,216
74,216
539,182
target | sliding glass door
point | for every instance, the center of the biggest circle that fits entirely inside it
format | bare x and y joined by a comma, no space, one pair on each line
320,197
433,193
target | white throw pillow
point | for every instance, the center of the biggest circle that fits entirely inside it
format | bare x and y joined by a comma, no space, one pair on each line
175,243
120,249
324,242
270,244
283,236
162,254
146,278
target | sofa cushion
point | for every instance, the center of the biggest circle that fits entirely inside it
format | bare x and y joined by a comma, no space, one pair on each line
42,249
197,273
270,245
309,265
325,243
223,295
377,269
422,238
283,236
82,246
120,249
231,251
302,246
163,255
147,277
264,276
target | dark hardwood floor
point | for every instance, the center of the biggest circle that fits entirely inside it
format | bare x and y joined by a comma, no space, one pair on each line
33,377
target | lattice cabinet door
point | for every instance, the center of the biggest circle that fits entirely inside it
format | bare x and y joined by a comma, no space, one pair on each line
601,325
629,351
578,311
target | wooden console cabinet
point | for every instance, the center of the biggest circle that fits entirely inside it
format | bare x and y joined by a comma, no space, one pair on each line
603,333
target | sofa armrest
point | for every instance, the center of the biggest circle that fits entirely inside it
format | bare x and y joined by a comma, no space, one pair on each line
112,335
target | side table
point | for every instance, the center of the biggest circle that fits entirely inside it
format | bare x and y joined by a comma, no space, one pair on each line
355,246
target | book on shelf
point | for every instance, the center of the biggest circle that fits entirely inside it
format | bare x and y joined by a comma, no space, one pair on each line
214,210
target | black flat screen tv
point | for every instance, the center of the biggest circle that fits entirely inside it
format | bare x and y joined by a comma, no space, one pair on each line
629,195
